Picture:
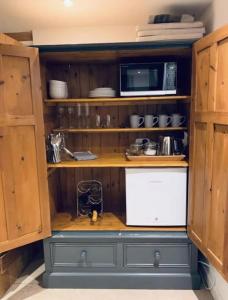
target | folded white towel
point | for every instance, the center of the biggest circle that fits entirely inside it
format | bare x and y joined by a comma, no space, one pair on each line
170,37
169,26
170,31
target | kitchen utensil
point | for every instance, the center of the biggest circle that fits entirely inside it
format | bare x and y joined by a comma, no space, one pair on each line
164,120
150,121
55,143
177,120
136,121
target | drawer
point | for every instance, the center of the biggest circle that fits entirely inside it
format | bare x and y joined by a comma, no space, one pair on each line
83,255
156,255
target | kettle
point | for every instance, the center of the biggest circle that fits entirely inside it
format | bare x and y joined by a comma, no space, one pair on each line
165,145
170,146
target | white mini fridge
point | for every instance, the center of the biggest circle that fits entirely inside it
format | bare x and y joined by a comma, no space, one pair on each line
156,196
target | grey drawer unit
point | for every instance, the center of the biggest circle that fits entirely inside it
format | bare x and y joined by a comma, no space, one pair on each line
162,260
156,255
83,255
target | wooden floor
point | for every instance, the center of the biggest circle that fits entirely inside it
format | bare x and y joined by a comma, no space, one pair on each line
109,222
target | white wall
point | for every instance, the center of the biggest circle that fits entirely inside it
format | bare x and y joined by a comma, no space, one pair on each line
84,35
216,15
219,286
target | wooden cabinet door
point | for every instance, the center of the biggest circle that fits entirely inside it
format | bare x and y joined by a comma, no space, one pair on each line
217,202
208,178
221,70
3,228
198,177
202,69
24,204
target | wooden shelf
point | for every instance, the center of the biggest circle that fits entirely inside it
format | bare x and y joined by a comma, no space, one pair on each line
111,130
116,160
119,100
108,221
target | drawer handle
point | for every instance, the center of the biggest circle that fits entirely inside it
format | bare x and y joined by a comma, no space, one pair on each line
157,257
84,257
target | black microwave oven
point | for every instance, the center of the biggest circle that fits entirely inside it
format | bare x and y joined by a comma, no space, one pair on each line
145,79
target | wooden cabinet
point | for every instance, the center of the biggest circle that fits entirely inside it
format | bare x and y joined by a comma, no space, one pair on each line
208,193
24,204
24,207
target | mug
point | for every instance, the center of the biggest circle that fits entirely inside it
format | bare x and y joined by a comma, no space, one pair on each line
136,121
150,121
177,120
164,120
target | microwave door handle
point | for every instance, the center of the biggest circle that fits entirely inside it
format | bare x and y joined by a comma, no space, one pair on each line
164,85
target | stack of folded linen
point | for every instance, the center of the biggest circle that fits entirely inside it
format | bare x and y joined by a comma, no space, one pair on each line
170,31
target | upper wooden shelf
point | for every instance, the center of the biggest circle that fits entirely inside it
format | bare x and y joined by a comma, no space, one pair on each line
116,160
119,100
113,51
112,130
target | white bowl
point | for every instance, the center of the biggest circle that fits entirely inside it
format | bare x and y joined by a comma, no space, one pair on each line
58,92
57,83
102,92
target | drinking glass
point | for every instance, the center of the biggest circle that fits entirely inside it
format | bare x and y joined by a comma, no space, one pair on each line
71,117
87,116
61,116
79,116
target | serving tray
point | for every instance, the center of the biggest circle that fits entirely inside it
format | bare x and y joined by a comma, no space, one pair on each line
155,157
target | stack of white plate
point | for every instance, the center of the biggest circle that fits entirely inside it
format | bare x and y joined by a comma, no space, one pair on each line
104,92
58,89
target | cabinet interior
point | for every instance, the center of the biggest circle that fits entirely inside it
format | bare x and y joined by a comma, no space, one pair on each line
84,71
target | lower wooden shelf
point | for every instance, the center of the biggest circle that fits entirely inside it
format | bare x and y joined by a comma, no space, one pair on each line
118,160
108,222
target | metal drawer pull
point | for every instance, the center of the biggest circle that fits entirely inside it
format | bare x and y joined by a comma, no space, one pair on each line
84,257
157,257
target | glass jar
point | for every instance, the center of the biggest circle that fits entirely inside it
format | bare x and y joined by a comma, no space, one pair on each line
150,148
136,149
